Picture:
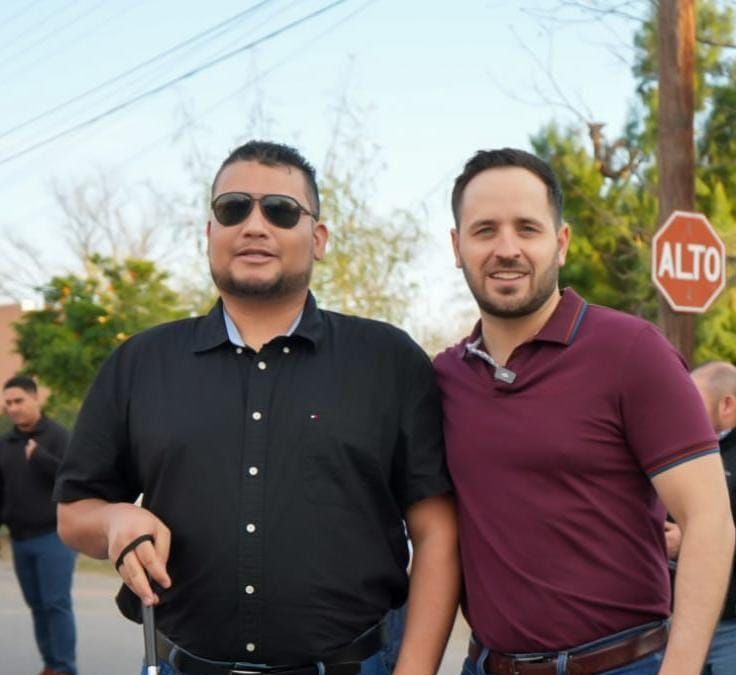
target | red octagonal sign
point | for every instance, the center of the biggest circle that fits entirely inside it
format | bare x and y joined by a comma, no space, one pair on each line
688,262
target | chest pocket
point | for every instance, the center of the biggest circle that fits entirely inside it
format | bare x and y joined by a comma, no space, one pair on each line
343,464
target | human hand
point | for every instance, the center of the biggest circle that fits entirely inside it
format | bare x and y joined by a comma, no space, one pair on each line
673,539
31,446
126,524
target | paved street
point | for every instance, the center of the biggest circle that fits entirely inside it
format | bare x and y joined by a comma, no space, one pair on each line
108,644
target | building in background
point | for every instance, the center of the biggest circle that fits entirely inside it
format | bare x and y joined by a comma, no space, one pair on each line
10,361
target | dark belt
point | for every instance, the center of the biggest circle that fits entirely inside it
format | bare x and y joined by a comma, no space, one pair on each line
598,660
344,661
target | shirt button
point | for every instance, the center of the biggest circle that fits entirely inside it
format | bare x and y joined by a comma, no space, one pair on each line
250,590
239,350
256,415
250,647
261,365
250,528
253,471
286,350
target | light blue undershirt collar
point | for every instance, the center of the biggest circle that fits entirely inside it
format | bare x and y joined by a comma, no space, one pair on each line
233,334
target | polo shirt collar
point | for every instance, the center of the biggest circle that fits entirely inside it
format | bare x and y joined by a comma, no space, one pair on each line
563,326
211,331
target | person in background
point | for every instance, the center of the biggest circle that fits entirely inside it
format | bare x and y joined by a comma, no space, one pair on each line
30,455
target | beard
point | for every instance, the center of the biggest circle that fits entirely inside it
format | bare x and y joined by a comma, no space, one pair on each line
516,308
282,286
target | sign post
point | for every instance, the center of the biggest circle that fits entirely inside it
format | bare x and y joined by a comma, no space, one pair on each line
688,262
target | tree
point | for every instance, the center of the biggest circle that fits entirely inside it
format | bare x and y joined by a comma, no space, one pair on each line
365,269
614,219
85,318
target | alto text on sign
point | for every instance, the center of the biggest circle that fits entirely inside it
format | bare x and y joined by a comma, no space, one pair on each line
688,262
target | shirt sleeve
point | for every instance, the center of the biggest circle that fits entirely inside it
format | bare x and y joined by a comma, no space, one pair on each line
97,463
664,417
425,471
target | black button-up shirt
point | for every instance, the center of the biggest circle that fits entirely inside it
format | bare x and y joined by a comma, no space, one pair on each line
284,476
26,506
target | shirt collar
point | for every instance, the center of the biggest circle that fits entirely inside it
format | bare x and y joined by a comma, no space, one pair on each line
40,427
233,334
562,327
211,331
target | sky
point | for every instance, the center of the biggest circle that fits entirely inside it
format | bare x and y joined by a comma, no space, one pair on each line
429,83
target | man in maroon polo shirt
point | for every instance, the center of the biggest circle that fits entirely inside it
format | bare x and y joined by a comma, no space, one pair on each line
571,429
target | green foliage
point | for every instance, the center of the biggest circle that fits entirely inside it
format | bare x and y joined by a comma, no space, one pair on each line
613,221
362,271
611,224
85,318
368,256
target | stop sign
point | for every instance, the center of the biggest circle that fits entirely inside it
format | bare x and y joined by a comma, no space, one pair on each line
688,262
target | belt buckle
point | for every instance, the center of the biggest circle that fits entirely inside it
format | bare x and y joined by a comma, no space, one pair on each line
518,662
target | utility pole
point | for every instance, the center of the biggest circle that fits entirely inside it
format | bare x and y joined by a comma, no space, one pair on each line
676,142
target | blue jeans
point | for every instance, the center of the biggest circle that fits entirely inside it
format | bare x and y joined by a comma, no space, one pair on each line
381,663
722,657
649,665
44,567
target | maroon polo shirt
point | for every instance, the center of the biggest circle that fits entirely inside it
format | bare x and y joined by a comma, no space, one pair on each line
561,530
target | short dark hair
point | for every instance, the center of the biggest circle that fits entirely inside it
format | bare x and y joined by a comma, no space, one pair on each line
508,157
24,382
274,154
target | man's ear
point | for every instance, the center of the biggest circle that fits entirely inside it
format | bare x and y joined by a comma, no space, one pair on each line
320,236
455,237
727,410
563,243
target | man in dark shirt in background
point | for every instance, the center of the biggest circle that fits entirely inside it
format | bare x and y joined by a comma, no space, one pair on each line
279,449
29,457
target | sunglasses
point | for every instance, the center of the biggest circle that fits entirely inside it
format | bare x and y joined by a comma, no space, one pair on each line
231,208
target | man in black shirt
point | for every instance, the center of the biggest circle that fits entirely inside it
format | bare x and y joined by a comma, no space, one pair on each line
279,448
29,457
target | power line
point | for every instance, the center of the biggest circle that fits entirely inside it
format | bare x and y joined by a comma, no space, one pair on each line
148,62
257,78
166,85
53,31
44,57
19,13
149,79
36,210
23,34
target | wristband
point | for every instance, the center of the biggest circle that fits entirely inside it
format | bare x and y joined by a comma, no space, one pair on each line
131,547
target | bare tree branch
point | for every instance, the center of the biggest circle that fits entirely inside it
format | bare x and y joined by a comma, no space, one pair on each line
715,43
